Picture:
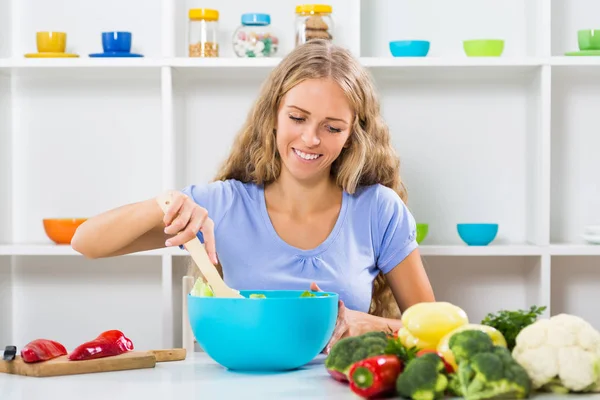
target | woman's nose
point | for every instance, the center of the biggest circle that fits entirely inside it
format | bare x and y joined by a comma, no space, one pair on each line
310,138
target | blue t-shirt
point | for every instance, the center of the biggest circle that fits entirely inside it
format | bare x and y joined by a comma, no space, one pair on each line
374,232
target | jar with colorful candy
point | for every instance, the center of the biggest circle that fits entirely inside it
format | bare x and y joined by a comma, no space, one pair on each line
255,37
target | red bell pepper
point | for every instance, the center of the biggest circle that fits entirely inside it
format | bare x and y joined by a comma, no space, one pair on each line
448,366
42,350
108,343
375,376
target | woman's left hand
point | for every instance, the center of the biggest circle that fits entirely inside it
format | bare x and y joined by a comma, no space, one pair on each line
349,322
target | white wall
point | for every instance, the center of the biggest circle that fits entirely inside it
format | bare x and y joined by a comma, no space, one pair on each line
575,162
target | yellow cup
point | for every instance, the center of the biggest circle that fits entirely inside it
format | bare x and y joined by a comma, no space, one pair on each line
51,42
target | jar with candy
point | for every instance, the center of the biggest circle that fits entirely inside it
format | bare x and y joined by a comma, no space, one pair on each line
255,37
313,21
203,32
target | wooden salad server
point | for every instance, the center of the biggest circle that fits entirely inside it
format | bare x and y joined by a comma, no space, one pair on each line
200,257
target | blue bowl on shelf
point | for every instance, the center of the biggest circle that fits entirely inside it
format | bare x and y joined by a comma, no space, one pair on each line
409,48
477,234
280,332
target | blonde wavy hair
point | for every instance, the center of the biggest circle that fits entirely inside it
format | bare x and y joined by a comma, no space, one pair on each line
368,159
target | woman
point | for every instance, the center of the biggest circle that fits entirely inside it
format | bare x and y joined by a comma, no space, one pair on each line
310,196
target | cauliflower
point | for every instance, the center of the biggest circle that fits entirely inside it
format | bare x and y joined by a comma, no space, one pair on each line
560,354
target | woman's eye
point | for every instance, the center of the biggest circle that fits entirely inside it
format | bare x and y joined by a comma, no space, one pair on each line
296,119
333,130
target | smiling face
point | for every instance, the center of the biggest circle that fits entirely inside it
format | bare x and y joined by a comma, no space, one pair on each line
313,126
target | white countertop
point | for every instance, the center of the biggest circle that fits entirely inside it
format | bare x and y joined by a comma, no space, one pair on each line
197,377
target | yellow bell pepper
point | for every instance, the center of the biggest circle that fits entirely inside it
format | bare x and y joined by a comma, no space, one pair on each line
424,324
443,346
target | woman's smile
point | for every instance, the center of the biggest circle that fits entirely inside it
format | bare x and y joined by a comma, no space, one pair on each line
305,156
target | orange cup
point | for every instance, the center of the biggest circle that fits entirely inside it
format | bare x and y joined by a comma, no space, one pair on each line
51,42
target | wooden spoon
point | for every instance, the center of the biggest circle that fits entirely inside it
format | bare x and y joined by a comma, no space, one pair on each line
200,257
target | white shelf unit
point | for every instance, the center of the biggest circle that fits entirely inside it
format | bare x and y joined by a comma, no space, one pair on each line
480,139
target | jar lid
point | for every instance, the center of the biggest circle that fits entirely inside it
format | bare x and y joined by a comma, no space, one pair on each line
313,8
203,14
256,19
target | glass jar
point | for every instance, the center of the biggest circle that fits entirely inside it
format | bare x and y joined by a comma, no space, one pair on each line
255,38
313,21
203,32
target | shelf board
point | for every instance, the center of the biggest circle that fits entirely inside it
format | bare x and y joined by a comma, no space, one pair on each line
232,62
574,250
65,250
233,68
491,250
83,62
574,61
403,62
426,250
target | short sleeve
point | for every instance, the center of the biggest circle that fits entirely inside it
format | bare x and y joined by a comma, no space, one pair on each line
216,197
395,228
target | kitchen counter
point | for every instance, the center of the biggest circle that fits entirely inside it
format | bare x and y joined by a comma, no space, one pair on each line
197,377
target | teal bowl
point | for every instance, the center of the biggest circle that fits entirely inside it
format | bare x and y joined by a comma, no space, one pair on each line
477,234
280,332
409,48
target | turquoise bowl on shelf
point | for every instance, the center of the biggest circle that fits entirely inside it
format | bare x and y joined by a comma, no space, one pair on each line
409,48
280,332
477,234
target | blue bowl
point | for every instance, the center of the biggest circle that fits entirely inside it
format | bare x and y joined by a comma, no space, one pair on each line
477,234
119,42
409,48
280,332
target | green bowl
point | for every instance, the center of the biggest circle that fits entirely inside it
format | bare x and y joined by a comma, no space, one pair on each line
588,39
422,231
483,47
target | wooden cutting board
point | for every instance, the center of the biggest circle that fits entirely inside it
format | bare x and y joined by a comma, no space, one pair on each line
62,366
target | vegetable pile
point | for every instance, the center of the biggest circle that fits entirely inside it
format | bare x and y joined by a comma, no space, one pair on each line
439,353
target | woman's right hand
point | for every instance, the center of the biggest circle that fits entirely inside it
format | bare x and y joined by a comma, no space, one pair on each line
184,219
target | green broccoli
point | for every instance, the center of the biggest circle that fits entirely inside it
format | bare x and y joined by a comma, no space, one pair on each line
486,371
465,344
349,350
423,378
454,387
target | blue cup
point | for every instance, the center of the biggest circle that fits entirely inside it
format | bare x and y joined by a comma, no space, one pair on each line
116,42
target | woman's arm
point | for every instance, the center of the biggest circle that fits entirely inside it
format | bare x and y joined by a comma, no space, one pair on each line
123,230
409,284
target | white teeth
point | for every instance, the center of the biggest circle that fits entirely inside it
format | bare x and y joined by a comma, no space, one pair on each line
306,156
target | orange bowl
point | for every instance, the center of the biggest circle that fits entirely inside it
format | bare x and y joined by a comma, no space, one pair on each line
62,230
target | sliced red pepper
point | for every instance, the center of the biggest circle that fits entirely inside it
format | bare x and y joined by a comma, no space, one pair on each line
449,368
375,376
108,343
42,350
338,376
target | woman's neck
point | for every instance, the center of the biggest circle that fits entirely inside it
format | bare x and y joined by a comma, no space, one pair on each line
289,195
